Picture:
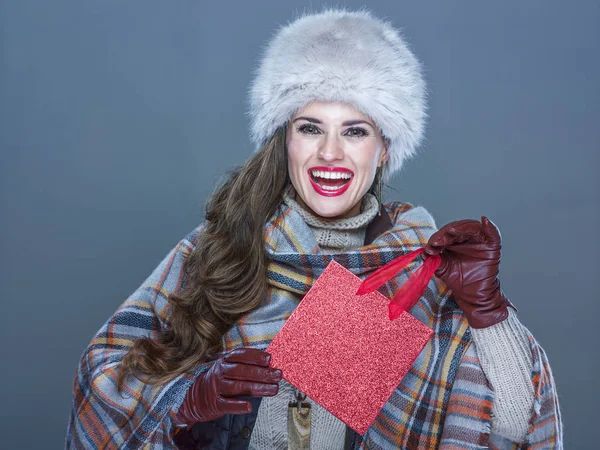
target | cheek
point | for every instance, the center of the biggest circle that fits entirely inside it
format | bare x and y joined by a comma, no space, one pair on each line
368,160
298,155
296,163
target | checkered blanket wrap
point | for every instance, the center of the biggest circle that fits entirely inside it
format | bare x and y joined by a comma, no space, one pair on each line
444,402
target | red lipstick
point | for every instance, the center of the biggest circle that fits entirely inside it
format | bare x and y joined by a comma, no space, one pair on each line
330,192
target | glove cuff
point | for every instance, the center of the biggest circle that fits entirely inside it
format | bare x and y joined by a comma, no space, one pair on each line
187,416
496,311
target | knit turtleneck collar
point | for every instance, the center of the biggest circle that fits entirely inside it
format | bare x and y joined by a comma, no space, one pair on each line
337,235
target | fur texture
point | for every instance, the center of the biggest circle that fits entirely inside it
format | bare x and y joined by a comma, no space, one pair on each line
348,56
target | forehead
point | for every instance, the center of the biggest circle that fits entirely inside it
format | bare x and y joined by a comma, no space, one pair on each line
331,112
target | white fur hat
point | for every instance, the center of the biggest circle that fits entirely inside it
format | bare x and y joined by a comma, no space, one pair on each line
347,56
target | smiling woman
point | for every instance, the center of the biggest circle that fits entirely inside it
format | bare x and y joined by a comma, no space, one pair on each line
338,103
334,152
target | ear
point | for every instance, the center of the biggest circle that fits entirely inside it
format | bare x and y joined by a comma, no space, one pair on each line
384,157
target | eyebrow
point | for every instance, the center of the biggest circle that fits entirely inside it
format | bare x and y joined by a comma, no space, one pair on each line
347,123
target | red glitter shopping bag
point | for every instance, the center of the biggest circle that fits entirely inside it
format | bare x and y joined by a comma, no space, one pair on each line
347,346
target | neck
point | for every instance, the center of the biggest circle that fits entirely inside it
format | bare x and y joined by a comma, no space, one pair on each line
354,211
337,234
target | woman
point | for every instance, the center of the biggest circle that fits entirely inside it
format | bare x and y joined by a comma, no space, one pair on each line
338,103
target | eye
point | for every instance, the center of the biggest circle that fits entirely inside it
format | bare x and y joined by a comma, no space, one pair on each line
356,132
308,128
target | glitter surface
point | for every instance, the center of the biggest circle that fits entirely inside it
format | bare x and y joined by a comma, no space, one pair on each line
343,351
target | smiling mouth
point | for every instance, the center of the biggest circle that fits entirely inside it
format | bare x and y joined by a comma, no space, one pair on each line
330,181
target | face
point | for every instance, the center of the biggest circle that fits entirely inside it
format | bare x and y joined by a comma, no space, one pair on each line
334,151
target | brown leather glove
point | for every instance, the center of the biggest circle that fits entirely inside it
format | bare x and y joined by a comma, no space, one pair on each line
470,253
241,372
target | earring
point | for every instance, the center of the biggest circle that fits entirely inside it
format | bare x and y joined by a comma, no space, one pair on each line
380,171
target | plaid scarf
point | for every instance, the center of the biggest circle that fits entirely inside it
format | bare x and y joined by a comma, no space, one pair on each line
444,402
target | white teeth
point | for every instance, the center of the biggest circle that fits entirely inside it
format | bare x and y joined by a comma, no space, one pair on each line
331,175
330,188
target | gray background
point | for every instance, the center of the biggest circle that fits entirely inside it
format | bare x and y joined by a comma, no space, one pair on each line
118,118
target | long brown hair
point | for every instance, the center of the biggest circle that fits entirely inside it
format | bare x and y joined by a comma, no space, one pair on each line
225,275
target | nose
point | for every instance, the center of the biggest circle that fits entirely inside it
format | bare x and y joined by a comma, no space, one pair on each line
330,149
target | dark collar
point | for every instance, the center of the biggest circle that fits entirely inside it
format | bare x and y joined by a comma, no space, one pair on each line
379,225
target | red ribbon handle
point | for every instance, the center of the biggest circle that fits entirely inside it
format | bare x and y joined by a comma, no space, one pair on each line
411,291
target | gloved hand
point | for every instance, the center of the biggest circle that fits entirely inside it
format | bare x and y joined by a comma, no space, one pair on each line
241,372
470,253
